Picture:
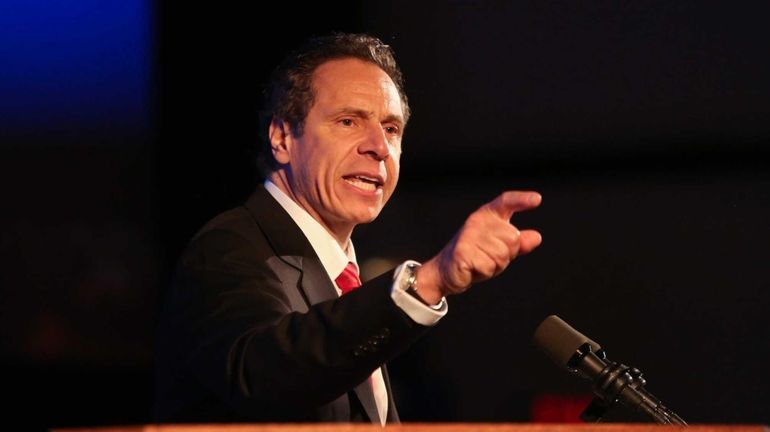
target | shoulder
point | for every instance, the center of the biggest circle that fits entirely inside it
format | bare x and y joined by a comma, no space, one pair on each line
248,223
235,220
231,232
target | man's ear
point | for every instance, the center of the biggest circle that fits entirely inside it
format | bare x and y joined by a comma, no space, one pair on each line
281,140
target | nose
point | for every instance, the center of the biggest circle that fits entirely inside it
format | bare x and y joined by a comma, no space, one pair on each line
376,144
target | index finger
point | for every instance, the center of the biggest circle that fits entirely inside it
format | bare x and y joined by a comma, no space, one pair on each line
510,202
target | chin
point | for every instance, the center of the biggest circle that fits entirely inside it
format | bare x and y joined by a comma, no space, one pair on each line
366,215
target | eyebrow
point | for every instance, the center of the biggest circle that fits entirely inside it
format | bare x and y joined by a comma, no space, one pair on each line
368,114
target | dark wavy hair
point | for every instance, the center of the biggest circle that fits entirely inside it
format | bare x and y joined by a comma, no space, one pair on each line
289,93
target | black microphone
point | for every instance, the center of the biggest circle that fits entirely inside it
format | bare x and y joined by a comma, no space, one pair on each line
613,382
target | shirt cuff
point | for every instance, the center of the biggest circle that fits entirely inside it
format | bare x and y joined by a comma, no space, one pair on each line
412,306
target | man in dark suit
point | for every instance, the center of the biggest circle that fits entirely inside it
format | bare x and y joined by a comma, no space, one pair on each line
256,326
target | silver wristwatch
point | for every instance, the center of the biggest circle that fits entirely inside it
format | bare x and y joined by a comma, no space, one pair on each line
410,285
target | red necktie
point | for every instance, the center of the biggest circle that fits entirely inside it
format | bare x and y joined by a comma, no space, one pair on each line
348,280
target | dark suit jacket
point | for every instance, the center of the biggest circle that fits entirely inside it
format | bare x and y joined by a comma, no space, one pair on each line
253,330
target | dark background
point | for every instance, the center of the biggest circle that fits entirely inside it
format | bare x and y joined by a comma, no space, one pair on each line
644,126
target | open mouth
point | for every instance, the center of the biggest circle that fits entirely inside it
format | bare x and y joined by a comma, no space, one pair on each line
363,182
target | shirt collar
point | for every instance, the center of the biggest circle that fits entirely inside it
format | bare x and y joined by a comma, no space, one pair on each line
332,256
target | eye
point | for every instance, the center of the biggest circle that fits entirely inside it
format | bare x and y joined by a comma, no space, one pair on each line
392,130
346,122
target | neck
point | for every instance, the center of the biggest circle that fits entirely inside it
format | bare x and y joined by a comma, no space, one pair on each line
340,232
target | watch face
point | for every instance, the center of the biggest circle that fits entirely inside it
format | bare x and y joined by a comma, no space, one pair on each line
411,282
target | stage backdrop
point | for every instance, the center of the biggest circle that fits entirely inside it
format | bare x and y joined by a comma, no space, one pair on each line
126,125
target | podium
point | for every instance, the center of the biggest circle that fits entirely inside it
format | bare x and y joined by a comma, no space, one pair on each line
425,427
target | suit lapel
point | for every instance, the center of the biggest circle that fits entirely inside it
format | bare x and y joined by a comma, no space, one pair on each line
291,245
293,248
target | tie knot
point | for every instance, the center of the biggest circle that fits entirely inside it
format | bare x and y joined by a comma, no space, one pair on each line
348,280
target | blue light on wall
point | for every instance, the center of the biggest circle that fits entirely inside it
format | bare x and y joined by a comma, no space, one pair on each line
75,66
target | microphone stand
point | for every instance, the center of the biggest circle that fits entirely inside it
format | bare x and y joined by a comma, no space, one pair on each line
615,382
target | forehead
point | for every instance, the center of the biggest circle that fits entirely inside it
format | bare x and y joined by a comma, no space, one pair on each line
355,82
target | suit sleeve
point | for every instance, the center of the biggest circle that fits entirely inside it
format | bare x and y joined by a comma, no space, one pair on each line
237,334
